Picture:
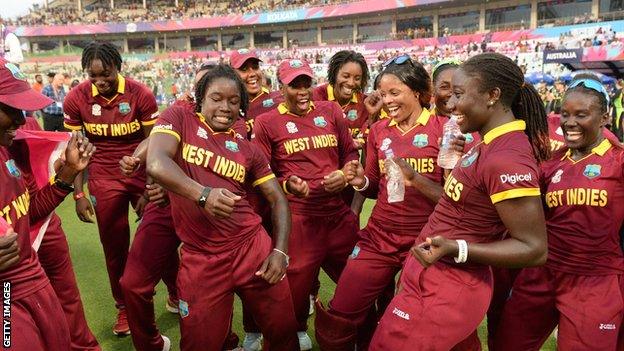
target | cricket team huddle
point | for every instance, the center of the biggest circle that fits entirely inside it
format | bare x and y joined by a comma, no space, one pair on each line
252,192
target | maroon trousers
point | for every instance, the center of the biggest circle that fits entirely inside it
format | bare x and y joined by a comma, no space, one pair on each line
152,257
315,243
111,200
37,323
54,257
206,287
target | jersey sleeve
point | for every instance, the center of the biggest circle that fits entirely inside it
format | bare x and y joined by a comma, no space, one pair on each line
71,111
346,150
510,175
260,168
171,122
148,109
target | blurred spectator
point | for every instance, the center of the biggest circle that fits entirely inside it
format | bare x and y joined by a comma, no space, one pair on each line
38,84
53,114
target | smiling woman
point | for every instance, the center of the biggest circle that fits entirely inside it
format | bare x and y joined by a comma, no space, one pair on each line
584,191
117,113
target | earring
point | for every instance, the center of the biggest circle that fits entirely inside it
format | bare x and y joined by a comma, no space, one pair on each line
491,103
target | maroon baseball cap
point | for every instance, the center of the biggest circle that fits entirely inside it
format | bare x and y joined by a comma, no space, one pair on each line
16,92
288,70
240,56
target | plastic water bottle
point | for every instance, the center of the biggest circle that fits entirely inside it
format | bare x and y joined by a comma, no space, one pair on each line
447,157
396,184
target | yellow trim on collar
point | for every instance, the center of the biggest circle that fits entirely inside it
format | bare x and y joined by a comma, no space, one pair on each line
423,119
283,109
262,92
121,86
202,119
599,150
332,97
515,126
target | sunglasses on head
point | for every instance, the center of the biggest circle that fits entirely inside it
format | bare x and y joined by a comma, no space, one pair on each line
398,60
593,85
448,61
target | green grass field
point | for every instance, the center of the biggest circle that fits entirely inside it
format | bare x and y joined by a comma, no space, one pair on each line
88,260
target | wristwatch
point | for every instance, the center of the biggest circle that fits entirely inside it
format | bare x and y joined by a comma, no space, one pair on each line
63,185
201,202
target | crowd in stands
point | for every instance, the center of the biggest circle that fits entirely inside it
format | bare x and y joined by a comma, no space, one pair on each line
100,12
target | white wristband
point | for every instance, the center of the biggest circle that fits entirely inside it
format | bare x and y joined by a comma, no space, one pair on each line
366,184
462,253
285,255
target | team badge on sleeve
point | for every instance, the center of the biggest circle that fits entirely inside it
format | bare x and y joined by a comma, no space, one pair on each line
268,103
592,171
231,145
320,121
469,158
96,110
12,168
291,127
124,108
420,140
352,115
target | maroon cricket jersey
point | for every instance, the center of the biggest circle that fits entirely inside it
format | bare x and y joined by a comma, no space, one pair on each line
218,160
354,111
418,146
263,103
114,125
310,147
499,168
21,203
585,210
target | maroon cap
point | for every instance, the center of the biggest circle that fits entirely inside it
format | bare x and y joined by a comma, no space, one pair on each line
16,92
288,70
240,56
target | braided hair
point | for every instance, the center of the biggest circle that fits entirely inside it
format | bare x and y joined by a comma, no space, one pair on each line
415,76
498,71
343,57
220,71
103,51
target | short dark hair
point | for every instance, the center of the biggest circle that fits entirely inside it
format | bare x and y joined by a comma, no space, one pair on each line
340,59
103,51
220,71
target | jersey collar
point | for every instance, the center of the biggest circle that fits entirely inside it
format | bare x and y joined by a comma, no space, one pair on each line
422,120
283,109
121,86
599,150
515,126
202,119
332,97
262,92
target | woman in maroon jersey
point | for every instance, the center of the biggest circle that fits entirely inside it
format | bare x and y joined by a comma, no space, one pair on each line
579,288
205,165
117,113
412,133
494,188
33,315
